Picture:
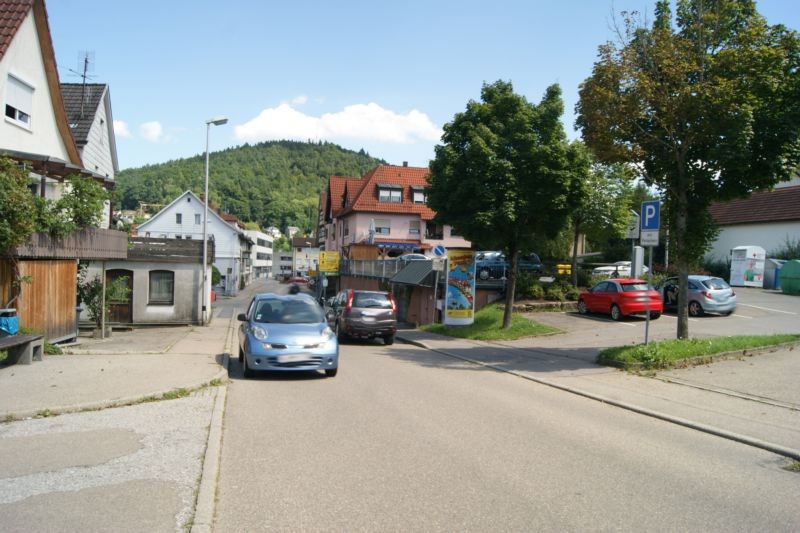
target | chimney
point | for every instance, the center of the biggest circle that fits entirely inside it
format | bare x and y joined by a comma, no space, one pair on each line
405,163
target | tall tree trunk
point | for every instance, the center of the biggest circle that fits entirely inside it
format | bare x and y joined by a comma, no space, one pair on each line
511,287
575,236
682,262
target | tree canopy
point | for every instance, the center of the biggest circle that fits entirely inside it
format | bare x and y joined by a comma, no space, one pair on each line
504,172
272,183
706,105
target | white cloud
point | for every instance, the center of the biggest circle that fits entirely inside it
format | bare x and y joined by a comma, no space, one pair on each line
121,129
368,122
300,100
152,131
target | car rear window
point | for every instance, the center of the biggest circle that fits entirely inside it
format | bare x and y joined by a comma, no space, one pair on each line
632,287
371,299
300,311
716,284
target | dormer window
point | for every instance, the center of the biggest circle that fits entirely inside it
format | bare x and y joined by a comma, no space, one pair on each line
390,193
418,194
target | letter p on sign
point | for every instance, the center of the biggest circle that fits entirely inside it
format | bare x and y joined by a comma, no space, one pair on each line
650,215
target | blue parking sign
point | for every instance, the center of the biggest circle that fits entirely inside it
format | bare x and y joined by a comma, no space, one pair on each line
651,212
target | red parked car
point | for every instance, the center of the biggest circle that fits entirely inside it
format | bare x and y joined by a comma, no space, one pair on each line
620,298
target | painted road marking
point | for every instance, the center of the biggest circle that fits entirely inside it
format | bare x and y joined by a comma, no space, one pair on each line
742,316
769,309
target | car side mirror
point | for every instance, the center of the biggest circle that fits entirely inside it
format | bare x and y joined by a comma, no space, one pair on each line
242,317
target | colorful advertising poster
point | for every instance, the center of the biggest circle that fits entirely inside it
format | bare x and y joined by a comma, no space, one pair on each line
460,298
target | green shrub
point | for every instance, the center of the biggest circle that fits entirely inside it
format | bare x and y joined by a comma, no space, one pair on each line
526,287
584,277
554,293
572,294
790,249
537,292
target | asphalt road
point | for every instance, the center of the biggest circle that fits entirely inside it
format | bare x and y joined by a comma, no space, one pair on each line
405,439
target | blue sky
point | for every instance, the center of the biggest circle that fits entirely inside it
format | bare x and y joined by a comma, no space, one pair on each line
382,76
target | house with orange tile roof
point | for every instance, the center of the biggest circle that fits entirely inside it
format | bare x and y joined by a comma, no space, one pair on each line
766,218
386,207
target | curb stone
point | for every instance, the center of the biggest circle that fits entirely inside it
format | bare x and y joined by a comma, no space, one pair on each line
743,439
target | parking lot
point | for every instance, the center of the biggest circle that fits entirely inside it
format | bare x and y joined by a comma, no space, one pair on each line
759,312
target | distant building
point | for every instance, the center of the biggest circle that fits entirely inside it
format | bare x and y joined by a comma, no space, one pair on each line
766,218
305,255
183,219
387,207
260,254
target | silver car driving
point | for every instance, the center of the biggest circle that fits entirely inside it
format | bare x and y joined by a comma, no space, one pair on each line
707,294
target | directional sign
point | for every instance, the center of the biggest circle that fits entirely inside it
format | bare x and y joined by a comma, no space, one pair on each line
633,229
439,251
651,215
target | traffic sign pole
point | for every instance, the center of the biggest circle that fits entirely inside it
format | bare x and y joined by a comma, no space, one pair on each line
651,219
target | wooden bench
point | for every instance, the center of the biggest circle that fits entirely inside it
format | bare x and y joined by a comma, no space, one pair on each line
23,349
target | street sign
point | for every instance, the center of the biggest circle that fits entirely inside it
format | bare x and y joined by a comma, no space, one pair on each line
633,229
438,264
651,215
651,221
439,250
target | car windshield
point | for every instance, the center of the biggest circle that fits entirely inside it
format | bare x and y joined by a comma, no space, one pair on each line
300,311
633,287
371,299
716,284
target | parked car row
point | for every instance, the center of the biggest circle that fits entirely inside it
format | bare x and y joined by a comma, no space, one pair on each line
620,269
494,265
621,297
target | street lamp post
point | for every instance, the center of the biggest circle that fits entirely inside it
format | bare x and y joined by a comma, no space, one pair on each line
216,121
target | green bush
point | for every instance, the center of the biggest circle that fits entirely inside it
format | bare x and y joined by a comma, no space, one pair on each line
720,269
572,294
584,277
528,286
554,293
537,292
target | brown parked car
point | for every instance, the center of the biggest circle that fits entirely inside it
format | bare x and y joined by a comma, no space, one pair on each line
368,314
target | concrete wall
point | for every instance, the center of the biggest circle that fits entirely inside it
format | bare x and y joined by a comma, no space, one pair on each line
769,236
187,289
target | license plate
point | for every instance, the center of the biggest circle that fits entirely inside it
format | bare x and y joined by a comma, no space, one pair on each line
292,358
368,318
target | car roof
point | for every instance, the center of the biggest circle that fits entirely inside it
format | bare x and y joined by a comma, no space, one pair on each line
283,297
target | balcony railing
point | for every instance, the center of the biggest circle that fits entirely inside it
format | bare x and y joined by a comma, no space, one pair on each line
372,269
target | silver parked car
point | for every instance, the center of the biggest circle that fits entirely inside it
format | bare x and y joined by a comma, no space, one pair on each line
366,314
707,294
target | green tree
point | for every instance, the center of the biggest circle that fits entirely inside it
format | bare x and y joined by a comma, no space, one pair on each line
708,106
16,205
504,173
599,205
82,204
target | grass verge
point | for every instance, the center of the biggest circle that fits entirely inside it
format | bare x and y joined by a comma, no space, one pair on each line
488,327
665,354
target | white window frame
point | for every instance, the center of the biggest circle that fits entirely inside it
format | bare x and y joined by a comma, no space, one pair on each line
383,226
413,227
19,99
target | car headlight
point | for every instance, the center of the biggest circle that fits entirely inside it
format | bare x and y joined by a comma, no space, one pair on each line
328,335
259,332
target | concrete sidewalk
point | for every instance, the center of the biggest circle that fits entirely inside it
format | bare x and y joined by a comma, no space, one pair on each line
123,369
754,400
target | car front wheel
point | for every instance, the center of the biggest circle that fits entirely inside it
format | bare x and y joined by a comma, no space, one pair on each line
582,309
246,372
616,314
331,372
484,274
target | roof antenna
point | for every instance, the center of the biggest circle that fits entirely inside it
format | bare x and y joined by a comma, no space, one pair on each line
86,65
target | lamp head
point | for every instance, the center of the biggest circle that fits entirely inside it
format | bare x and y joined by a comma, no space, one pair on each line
217,121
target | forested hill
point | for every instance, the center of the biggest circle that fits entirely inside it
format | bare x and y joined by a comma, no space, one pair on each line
272,183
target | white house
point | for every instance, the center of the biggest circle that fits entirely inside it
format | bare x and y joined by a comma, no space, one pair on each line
88,107
260,254
305,254
767,219
183,219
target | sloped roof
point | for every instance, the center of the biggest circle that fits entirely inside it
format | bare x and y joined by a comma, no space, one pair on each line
81,103
415,273
304,242
337,185
766,206
405,178
12,13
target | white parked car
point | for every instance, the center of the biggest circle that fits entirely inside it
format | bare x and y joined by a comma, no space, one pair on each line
620,269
